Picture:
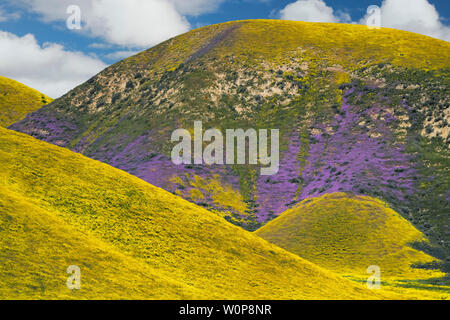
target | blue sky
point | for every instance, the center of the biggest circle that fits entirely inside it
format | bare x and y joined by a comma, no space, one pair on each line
54,59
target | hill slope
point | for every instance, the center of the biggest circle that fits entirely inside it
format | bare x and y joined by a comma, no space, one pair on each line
361,111
37,247
18,100
348,234
131,239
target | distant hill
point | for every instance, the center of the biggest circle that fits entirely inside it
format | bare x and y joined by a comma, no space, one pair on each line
361,111
18,100
132,240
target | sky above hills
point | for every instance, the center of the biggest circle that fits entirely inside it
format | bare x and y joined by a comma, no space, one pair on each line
42,46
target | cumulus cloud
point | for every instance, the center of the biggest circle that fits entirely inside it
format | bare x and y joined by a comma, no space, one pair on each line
139,23
418,16
311,11
48,68
130,23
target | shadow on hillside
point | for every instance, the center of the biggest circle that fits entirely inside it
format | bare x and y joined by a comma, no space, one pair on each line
438,253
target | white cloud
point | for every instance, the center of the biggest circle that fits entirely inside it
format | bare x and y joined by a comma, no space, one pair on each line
48,68
100,46
7,16
130,23
310,11
119,55
413,15
135,23
196,7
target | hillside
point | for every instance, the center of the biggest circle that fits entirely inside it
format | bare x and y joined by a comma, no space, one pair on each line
361,111
348,233
18,100
130,239
37,247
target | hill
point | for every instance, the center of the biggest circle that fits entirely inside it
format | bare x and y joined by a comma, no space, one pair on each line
361,111
37,247
131,239
17,100
348,233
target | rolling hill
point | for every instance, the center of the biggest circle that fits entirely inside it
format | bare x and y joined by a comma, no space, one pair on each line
17,100
131,239
37,247
360,111
348,233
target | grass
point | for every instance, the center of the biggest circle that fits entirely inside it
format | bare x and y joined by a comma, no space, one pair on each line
132,240
347,234
17,100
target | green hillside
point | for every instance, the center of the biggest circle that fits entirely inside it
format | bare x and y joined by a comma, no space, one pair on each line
130,239
17,100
